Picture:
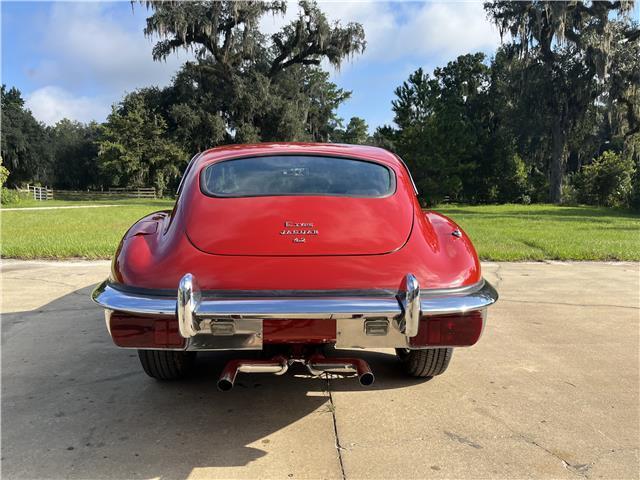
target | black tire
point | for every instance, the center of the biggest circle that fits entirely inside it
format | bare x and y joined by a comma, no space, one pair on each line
424,363
166,364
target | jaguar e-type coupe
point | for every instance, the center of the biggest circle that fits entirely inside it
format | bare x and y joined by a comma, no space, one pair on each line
299,250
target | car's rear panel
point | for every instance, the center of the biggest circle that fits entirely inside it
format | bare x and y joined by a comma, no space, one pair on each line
299,205
294,226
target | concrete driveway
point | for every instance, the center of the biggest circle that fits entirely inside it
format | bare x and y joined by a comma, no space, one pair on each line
550,391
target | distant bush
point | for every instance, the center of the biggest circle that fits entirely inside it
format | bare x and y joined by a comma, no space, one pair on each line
515,186
4,174
569,193
9,196
607,181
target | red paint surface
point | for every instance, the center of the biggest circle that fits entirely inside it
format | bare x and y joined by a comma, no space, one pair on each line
344,225
431,253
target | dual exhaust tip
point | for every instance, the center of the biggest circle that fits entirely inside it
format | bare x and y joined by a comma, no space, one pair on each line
316,364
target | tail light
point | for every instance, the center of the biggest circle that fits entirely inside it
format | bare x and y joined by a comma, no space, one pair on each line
144,332
459,330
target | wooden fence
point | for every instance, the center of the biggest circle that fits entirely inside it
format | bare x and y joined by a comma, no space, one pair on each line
38,193
112,193
45,193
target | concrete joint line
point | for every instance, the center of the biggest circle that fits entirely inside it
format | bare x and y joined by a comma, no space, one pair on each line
339,447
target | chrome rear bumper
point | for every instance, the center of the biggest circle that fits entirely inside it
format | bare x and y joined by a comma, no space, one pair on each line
234,321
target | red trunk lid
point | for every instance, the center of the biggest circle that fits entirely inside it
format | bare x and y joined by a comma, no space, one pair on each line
300,225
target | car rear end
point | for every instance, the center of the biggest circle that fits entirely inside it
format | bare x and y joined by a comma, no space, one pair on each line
291,222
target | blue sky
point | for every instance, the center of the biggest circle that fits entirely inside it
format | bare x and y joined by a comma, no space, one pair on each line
76,59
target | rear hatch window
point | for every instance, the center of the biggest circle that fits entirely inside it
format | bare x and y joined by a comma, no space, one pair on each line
299,205
297,175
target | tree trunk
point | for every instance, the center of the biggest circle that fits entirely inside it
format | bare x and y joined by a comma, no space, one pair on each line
558,161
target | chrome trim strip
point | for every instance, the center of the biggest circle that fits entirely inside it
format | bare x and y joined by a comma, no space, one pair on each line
442,304
111,298
330,308
235,294
190,305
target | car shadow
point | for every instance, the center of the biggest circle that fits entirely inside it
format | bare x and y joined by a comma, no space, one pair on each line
76,406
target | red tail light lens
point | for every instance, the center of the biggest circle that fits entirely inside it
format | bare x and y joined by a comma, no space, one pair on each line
145,332
460,330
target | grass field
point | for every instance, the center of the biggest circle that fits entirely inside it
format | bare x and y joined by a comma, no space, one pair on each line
499,232
79,232
549,232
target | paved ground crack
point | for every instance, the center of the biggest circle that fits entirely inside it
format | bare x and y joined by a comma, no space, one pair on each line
498,274
580,470
339,447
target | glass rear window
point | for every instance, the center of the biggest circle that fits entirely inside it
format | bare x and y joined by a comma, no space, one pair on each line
297,175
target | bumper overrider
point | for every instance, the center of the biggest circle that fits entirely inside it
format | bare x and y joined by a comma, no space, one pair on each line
225,320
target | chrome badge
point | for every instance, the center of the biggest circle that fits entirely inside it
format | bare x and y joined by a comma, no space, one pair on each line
299,230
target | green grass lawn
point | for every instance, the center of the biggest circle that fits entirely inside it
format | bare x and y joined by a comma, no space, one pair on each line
79,232
499,232
549,232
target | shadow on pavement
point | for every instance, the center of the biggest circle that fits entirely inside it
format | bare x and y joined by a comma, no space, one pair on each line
76,406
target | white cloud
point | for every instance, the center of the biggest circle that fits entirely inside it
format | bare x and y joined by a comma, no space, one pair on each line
90,55
422,32
398,30
86,43
448,29
51,104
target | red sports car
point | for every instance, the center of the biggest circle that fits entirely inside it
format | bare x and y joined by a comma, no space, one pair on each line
295,247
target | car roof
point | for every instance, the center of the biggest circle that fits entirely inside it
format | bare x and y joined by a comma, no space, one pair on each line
363,152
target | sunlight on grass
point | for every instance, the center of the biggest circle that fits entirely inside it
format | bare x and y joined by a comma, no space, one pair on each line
88,233
549,232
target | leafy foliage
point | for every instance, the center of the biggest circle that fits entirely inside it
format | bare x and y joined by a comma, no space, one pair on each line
10,196
568,45
226,34
24,141
133,148
75,151
244,86
450,138
606,182
4,173
356,132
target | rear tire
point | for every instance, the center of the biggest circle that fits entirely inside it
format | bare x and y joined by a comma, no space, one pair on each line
167,364
424,363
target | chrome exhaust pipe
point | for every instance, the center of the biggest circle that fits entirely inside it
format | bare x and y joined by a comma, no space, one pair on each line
318,365
276,365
